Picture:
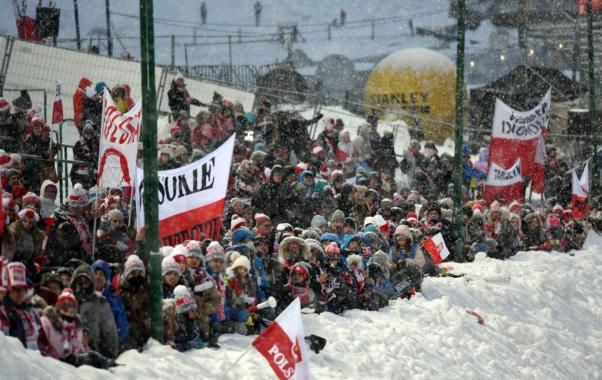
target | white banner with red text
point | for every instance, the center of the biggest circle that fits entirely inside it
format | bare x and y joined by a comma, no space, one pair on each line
191,198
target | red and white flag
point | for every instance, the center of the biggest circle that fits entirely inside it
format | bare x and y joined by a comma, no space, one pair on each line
191,198
580,193
119,137
507,183
57,106
283,344
515,134
435,246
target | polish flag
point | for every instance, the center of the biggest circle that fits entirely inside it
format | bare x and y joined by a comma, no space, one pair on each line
580,194
436,247
283,344
507,183
516,134
2,214
57,107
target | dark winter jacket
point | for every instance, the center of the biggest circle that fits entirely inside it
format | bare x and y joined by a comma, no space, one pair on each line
64,242
134,293
117,307
96,316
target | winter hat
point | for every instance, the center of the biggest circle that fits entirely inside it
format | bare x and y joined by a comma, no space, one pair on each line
318,221
179,253
114,214
557,207
261,218
258,157
78,196
4,105
169,265
29,214
214,252
30,198
242,261
194,249
184,300
100,86
368,221
514,206
166,250
133,263
479,207
66,296
241,234
354,259
236,222
332,249
403,230
386,203
281,227
337,215
15,275
495,206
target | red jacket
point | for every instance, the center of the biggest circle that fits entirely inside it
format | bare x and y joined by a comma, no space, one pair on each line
78,100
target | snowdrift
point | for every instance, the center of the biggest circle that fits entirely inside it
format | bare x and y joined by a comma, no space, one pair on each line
542,319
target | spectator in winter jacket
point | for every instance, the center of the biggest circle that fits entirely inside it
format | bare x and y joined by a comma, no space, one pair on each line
178,97
39,145
115,242
500,229
61,336
241,294
78,101
203,288
188,334
48,192
95,312
272,195
69,236
102,286
18,318
170,271
534,234
136,300
92,110
28,238
86,149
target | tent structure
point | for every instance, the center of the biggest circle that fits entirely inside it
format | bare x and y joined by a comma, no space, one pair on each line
522,89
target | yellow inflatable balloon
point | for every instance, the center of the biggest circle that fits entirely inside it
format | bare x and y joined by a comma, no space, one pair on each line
417,82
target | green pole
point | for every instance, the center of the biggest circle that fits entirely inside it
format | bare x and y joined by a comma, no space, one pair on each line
149,141
595,185
458,170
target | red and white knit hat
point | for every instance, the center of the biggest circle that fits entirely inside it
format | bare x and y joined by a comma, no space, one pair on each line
169,265
261,218
215,251
29,214
184,300
78,196
4,105
30,198
237,222
179,253
193,249
66,296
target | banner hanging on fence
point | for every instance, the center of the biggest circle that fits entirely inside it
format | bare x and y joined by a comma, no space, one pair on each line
191,198
515,134
507,183
118,144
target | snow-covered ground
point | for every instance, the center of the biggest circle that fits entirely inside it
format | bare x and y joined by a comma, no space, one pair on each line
542,313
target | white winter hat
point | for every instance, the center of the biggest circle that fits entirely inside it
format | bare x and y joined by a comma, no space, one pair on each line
241,261
236,222
184,300
166,250
169,265
354,260
29,214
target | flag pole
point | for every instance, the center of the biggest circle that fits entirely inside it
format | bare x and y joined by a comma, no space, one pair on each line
458,167
595,183
237,360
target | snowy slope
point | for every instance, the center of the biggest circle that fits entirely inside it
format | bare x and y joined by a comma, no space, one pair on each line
542,312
